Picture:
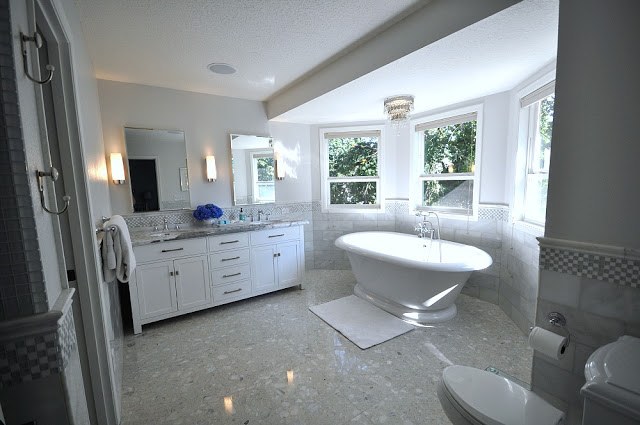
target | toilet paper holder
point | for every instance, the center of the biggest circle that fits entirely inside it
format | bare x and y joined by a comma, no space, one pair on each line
558,320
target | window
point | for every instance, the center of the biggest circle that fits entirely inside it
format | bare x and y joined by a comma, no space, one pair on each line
447,154
351,168
537,116
263,169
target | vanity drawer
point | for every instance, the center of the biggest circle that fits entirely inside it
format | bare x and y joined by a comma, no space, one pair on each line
229,258
230,241
170,249
230,274
272,236
241,289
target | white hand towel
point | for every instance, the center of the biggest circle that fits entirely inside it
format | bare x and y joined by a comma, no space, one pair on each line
120,248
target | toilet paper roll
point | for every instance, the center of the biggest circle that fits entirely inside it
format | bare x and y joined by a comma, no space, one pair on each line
548,343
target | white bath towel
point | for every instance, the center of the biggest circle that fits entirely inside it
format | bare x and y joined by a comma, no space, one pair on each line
118,260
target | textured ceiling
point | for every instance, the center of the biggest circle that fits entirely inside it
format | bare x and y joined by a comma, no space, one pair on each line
169,43
488,57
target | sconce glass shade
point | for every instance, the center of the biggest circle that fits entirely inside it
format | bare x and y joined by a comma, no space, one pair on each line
212,173
280,173
117,168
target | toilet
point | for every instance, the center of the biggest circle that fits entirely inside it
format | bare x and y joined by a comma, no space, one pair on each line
473,396
612,391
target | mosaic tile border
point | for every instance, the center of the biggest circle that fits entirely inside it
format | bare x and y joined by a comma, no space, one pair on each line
499,213
156,218
604,267
38,356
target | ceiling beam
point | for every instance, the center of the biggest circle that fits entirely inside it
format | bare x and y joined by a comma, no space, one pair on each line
436,20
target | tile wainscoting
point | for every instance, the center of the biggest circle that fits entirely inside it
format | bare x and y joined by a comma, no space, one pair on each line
596,289
511,282
40,376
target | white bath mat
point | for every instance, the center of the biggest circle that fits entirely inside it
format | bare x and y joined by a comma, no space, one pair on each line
361,322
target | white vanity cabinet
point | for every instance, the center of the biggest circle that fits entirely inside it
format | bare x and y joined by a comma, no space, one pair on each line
177,282
277,259
182,276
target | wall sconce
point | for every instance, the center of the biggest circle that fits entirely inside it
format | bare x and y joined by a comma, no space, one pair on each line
117,168
212,173
280,173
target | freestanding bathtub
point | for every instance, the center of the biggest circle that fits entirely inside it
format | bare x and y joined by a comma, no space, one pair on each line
415,279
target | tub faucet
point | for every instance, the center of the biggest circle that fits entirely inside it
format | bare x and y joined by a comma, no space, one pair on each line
425,228
424,215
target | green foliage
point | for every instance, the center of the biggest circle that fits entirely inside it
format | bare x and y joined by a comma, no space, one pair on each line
266,169
353,157
452,145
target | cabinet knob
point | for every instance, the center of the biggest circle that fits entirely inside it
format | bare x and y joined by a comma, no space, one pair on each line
177,272
170,273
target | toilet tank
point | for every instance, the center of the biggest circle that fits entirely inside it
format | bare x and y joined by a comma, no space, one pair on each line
612,391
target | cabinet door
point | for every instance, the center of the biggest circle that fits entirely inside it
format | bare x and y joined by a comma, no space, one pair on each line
288,260
192,282
263,269
156,289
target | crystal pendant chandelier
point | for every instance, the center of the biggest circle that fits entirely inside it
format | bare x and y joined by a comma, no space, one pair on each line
398,108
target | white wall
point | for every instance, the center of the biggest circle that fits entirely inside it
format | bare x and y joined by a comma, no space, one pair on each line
292,142
207,121
594,194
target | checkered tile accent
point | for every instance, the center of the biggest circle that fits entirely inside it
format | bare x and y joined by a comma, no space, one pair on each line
616,270
498,213
37,356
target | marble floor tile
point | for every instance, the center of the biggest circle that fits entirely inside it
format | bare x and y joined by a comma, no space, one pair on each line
269,360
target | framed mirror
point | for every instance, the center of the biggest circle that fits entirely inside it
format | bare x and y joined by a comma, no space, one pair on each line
157,169
253,165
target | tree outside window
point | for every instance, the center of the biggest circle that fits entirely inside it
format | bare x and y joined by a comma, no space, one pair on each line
448,167
352,168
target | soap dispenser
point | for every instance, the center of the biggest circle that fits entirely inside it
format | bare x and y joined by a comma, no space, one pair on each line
241,216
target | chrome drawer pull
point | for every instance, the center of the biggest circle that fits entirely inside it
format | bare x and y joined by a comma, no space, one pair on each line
229,259
226,242
171,250
231,275
275,236
231,292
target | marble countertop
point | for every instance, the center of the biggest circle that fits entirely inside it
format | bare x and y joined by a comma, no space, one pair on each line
149,236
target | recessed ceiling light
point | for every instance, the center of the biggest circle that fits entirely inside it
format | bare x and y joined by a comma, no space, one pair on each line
221,68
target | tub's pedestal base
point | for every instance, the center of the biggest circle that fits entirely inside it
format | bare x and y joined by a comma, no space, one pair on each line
411,315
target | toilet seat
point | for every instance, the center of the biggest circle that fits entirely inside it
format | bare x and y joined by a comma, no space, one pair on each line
494,400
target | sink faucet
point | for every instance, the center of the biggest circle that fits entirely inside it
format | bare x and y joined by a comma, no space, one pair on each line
260,212
166,224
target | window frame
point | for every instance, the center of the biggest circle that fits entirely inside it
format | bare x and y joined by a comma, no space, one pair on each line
254,177
529,100
418,176
326,180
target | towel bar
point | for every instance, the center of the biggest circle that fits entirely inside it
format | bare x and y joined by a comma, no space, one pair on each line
111,229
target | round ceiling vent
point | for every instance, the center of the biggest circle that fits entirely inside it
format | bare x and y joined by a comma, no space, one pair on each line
221,68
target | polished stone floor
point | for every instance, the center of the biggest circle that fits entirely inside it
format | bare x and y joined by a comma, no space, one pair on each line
269,360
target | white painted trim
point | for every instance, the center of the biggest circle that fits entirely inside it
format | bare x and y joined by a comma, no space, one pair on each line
324,170
590,248
81,223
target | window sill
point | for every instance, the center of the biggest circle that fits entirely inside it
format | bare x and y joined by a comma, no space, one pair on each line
373,209
529,228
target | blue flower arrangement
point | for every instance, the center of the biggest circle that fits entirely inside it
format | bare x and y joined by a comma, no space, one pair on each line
207,211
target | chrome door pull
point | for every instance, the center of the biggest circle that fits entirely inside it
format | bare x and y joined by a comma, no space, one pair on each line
172,250
275,236
229,259
231,275
226,242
